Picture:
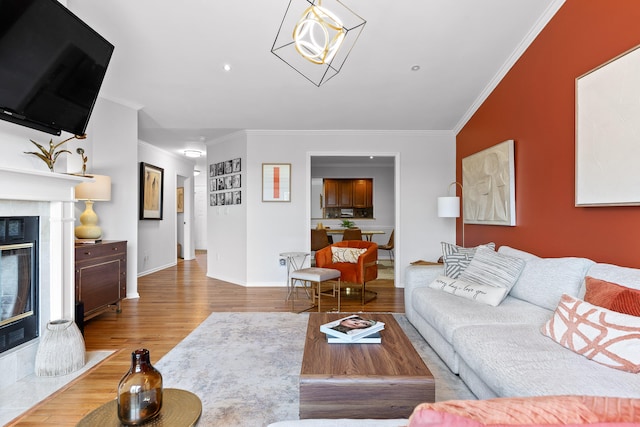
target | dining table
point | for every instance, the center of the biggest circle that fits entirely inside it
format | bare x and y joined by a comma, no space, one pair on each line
367,234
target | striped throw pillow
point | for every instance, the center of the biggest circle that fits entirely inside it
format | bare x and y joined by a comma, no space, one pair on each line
604,336
493,269
456,258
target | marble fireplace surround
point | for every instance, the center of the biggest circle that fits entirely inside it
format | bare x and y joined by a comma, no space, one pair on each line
50,196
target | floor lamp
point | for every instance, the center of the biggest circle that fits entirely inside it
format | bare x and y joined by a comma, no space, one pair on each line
449,206
97,190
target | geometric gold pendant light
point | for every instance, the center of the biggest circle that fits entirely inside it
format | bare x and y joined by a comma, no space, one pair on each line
316,37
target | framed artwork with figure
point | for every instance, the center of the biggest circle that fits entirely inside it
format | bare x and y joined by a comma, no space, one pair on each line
151,190
180,199
488,186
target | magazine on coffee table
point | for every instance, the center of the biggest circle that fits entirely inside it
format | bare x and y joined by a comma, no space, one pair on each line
352,328
374,338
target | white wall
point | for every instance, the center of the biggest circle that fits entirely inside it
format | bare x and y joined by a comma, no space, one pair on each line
111,147
157,239
425,165
227,237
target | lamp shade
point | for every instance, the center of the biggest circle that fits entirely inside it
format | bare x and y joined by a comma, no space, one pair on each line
449,207
98,190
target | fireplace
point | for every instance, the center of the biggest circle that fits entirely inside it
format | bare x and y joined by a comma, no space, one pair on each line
19,314
49,197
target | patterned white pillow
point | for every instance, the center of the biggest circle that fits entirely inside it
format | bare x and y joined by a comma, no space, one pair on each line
456,258
493,269
485,294
604,336
350,255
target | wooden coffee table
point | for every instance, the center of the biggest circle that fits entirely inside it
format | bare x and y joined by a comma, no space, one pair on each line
384,380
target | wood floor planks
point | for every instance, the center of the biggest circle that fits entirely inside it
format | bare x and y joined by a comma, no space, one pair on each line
172,303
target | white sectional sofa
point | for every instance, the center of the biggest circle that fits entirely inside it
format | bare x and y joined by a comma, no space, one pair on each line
500,351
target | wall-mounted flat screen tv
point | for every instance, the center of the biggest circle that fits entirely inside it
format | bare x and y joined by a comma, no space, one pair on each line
52,65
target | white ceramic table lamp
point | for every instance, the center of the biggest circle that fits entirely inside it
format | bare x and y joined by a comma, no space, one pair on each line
98,190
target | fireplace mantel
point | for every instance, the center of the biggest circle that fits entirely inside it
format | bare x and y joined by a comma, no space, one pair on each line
32,185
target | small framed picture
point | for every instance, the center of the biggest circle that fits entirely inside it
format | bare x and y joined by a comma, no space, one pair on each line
180,199
237,166
276,182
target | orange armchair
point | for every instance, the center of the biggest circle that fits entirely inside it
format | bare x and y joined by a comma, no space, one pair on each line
365,270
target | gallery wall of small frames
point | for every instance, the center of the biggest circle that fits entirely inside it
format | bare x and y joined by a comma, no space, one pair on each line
225,182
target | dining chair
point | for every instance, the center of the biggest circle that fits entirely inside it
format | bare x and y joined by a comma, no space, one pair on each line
389,246
352,234
319,239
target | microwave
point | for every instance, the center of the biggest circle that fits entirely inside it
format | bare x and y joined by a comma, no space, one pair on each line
346,213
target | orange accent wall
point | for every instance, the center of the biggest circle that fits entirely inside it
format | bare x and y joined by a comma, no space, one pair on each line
535,106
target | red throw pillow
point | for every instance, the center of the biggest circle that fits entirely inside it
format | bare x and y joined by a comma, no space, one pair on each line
627,302
602,293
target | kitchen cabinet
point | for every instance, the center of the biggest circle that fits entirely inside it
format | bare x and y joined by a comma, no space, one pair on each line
362,193
348,198
338,193
348,193
101,276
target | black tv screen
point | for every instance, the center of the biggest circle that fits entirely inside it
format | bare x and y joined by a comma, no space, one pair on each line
52,65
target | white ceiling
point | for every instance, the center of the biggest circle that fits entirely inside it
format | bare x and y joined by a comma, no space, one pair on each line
169,58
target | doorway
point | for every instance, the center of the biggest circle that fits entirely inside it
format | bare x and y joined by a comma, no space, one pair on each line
382,169
180,221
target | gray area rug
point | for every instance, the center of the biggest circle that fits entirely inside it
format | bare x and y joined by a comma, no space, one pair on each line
245,367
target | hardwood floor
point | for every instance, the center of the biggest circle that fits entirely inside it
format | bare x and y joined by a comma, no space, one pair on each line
172,303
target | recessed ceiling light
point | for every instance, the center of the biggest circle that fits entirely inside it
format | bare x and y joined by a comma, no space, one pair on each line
192,153
226,67
415,68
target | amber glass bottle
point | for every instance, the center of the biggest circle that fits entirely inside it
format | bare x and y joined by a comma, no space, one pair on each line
139,391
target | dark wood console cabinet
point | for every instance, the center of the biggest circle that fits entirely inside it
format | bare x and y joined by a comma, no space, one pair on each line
101,276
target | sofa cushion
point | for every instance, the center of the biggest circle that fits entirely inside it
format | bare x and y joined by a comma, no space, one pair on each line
493,269
623,276
507,250
604,336
544,280
481,293
456,258
446,312
349,255
517,360
607,294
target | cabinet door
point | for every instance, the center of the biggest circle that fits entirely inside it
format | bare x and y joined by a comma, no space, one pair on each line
345,191
99,284
331,193
362,193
